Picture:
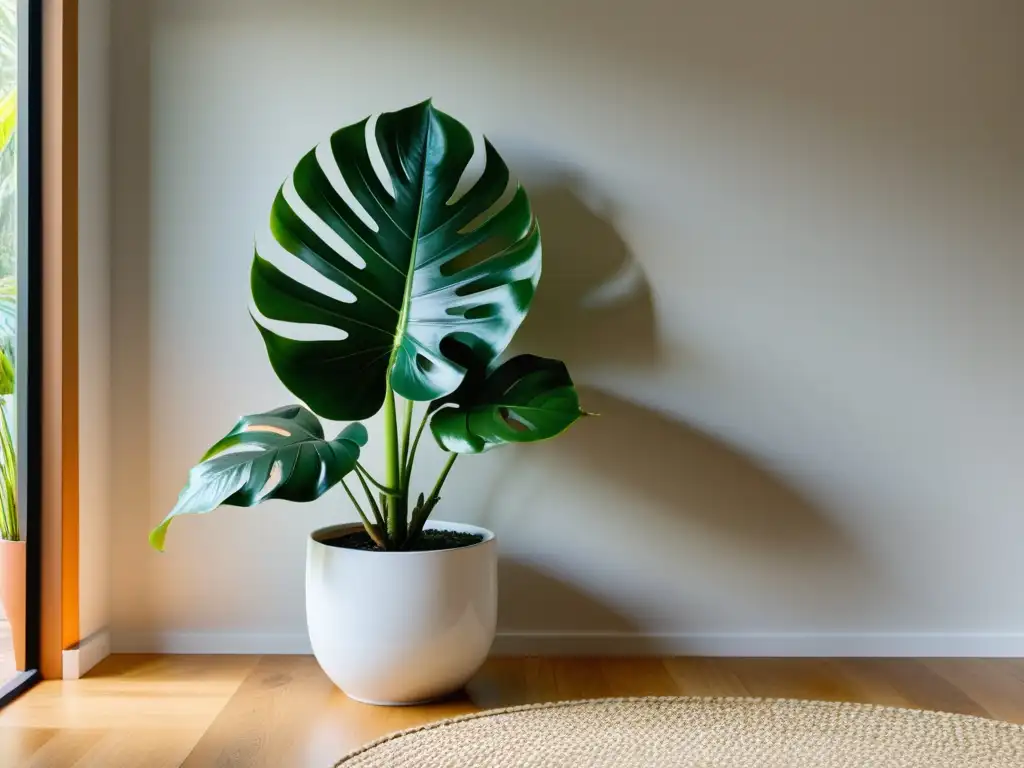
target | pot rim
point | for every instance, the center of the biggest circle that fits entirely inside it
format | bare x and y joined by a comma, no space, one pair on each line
330,531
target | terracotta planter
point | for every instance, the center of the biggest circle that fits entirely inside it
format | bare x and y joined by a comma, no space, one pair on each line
12,594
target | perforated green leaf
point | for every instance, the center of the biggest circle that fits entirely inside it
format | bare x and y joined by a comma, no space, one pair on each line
525,399
281,454
417,270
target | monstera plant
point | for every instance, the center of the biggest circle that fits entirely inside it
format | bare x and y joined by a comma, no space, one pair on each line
422,277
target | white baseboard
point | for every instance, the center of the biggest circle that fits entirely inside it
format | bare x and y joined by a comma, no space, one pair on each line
79,659
866,645
214,643
987,645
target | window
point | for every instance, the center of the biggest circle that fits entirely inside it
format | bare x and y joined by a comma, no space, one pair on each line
12,559
19,346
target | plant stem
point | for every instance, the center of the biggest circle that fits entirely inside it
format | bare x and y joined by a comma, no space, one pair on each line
412,451
364,472
370,529
396,507
373,503
419,519
403,456
444,476
424,510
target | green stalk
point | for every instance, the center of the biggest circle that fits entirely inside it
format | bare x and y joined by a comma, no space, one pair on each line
373,503
364,472
396,515
434,494
424,509
398,506
407,476
370,529
403,456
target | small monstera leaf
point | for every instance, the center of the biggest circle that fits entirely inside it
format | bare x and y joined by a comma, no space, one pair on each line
525,399
408,265
281,454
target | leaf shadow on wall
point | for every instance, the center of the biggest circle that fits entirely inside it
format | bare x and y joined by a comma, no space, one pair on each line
694,497
755,522
529,590
593,304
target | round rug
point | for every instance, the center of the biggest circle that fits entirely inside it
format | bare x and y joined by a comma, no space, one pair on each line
700,733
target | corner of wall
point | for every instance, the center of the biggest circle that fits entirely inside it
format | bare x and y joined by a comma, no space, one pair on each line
94,341
79,659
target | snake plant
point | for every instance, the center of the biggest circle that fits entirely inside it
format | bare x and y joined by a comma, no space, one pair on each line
406,288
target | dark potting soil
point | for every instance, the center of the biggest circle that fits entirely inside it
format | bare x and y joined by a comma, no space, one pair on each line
428,541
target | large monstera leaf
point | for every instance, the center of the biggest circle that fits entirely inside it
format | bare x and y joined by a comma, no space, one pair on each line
417,270
281,454
525,399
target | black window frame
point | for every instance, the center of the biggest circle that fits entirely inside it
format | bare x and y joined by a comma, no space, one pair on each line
29,340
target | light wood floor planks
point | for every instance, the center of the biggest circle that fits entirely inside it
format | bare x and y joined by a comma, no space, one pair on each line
8,669
280,711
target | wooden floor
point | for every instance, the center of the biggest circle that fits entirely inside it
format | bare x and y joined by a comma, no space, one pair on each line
281,712
8,669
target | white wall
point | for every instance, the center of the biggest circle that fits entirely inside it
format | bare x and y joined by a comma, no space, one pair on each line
784,256
94,316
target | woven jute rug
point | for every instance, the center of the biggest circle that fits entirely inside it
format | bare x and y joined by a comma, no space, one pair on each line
700,733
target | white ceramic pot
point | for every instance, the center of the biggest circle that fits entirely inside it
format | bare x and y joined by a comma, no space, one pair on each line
401,627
